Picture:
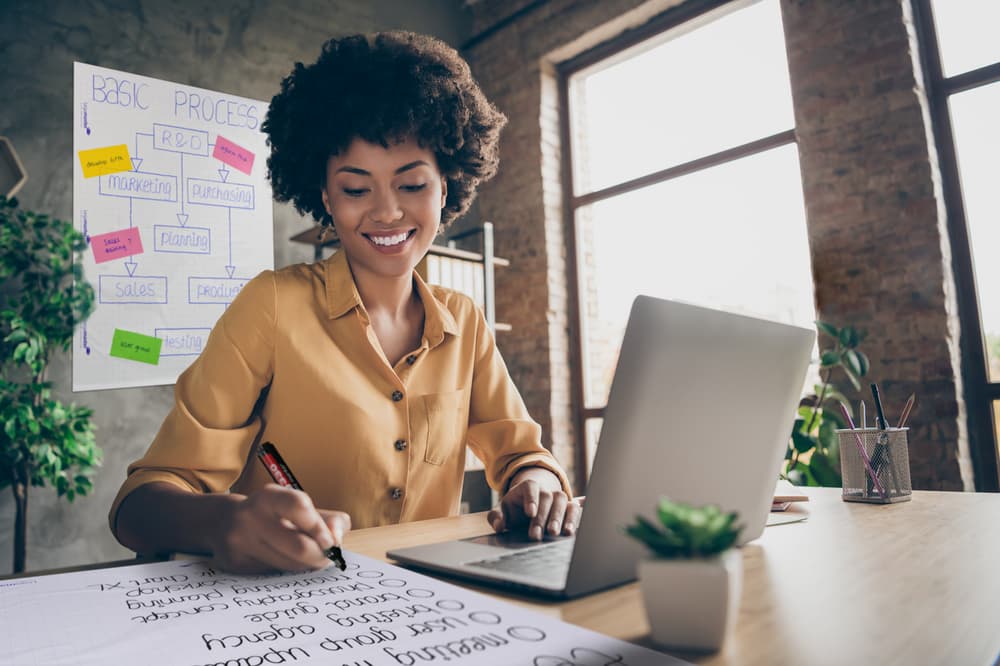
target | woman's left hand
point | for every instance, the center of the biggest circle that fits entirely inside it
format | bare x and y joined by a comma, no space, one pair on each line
536,499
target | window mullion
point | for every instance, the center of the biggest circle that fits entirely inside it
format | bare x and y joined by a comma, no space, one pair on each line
700,164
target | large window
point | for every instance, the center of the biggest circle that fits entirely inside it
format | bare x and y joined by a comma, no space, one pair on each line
962,60
684,179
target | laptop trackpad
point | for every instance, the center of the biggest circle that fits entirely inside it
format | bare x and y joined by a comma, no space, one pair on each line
512,540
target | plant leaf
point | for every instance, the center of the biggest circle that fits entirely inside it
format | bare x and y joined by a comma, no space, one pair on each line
829,358
849,337
828,328
863,362
827,434
686,531
802,442
853,362
823,470
854,379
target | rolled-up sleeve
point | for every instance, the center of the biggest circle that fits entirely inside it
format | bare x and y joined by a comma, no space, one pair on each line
501,432
204,441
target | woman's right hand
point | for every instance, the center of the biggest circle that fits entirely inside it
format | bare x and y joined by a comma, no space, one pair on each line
277,528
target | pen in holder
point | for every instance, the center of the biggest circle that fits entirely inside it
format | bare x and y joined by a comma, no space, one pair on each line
875,465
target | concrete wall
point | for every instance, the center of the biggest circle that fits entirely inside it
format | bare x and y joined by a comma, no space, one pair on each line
241,47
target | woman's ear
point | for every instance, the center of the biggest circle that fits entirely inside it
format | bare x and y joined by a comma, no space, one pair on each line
326,202
444,191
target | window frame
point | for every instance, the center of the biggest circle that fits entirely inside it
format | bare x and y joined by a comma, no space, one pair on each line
979,391
688,16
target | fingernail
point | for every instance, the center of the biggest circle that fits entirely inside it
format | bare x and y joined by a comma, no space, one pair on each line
554,527
536,532
338,536
570,529
531,508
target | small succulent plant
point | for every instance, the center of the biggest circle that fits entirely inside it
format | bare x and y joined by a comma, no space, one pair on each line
686,531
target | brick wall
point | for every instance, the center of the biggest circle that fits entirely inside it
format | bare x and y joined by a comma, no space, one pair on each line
873,197
880,252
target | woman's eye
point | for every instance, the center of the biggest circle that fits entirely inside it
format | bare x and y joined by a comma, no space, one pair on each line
413,188
354,193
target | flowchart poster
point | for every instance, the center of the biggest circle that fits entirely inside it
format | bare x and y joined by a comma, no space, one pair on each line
170,191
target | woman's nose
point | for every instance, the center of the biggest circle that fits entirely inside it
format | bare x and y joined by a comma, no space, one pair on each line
385,207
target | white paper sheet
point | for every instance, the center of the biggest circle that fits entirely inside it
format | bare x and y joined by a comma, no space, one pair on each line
374,614
195,197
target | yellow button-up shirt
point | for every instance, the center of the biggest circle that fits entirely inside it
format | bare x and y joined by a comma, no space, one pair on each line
295,361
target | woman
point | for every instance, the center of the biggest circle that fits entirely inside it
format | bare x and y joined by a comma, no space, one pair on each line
369,381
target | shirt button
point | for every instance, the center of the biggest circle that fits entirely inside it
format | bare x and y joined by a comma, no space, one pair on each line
400,444
397,396
396,493
411,359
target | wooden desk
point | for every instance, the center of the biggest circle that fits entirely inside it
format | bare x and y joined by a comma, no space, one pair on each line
910,583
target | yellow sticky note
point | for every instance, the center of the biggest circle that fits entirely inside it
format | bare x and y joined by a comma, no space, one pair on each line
102,161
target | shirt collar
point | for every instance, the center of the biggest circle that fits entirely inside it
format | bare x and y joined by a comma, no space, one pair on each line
341,292
438,319
342,297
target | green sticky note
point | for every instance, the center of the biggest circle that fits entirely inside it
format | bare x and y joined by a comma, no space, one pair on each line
136,347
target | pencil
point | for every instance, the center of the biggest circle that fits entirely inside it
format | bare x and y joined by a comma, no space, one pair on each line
906,410
882,423
863,453
282,475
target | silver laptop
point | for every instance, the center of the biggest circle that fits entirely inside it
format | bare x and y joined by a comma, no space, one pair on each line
700,410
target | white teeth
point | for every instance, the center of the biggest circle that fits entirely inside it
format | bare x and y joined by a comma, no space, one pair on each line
386,241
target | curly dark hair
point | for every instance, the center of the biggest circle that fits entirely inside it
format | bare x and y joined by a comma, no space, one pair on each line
381,88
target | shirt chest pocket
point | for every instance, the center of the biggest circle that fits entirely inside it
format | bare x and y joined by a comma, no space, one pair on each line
447,421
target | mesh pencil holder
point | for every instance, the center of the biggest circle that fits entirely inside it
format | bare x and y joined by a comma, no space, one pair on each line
875,465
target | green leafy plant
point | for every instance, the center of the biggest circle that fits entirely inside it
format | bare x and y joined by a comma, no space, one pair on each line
686,531
43,296
813,455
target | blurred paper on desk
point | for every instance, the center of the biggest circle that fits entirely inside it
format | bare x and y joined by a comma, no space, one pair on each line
784,491
188,612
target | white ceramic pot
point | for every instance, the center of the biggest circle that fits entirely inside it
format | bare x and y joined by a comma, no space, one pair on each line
692,603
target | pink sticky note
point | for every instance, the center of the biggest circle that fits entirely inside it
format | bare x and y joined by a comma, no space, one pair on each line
235,156
116,244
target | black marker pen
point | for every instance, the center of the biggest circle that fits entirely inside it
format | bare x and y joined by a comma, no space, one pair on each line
283,476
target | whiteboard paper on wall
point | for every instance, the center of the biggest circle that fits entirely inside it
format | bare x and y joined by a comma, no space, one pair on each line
170,191
372,614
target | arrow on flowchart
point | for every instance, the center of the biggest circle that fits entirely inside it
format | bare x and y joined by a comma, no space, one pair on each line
229,267
130,267
86,236
224,174
182,183
182,217
137,161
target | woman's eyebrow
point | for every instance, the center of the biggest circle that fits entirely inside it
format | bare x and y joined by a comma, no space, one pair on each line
362,172
411,165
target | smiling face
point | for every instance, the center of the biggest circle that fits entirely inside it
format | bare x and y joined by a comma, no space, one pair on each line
385,204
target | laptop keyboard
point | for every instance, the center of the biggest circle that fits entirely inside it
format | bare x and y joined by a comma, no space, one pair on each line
549,561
